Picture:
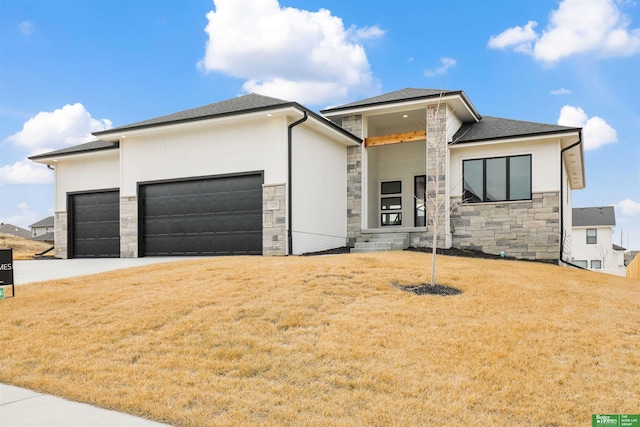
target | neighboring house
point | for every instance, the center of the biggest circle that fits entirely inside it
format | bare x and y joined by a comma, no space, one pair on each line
14,230
259,175
43,230
593,246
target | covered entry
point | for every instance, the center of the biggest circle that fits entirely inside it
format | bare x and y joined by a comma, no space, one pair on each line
220,215
94,224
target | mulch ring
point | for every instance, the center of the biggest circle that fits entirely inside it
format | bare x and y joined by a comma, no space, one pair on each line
427,289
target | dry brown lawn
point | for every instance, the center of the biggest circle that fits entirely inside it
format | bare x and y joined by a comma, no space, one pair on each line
328,341
22,248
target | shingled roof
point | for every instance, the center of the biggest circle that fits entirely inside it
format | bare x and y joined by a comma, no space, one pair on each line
593,217
45,222
242,104
490,128
407,94
76,149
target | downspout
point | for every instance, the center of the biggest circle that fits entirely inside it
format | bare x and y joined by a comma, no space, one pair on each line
562,230
289,182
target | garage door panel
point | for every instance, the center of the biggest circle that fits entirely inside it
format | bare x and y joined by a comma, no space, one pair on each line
211,216
95,225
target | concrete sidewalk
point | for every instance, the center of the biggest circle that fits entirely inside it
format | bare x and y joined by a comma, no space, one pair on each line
20,407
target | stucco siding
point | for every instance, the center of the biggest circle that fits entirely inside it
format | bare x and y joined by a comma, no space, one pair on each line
85,173
216,149
319,186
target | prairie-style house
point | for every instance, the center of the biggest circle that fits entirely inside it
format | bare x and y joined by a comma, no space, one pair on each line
260,175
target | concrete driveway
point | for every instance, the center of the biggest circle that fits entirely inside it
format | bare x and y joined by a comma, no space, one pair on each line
51,269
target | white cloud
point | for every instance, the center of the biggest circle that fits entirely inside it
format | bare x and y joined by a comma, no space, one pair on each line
628,207
26,28
445,64
66,126
25,172
518,37
576,26
561,91
596,132
278,50
366,33
23,218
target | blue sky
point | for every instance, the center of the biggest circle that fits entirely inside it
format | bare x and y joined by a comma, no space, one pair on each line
72,67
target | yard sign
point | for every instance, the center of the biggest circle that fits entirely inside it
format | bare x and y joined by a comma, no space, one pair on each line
6,272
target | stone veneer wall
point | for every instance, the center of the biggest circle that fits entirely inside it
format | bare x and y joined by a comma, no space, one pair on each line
60,234
436,171
527,230
129,227
274,220
353,124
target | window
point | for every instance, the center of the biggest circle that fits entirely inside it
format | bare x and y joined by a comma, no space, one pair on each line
419,200
596,264
497,179
592,236
391,203
581,263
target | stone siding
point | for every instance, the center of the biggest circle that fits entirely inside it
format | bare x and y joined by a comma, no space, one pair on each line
60,234
436,175
129,227
354,194
274,220
353,124
527,230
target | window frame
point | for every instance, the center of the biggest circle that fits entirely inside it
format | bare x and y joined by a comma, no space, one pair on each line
581,263
597,266
594,237
390,217
506,183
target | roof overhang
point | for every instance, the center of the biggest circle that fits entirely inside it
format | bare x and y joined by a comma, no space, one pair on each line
54,157
291,112
457,101
573,159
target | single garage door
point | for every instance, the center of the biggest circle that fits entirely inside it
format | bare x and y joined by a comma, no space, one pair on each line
207,216
94,225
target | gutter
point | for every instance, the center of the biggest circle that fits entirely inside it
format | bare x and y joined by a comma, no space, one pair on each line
290,180
562,230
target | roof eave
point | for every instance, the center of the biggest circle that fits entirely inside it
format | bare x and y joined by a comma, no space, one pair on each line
115,133
48,159
330,112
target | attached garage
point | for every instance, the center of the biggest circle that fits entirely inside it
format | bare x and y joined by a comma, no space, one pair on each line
94,224
219,215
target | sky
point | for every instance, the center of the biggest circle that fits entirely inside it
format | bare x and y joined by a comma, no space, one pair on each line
72,67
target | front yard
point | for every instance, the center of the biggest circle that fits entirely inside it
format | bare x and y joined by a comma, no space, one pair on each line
329,340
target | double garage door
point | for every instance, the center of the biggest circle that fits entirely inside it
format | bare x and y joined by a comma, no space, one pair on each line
205,216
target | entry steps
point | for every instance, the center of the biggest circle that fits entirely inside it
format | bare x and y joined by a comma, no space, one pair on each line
380,242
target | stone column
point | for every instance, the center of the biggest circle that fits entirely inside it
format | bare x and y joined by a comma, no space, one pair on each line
353,124
129,227
60,233
274,219
436,170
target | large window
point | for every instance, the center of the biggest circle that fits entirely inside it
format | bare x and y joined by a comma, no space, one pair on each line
497,179
592,236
